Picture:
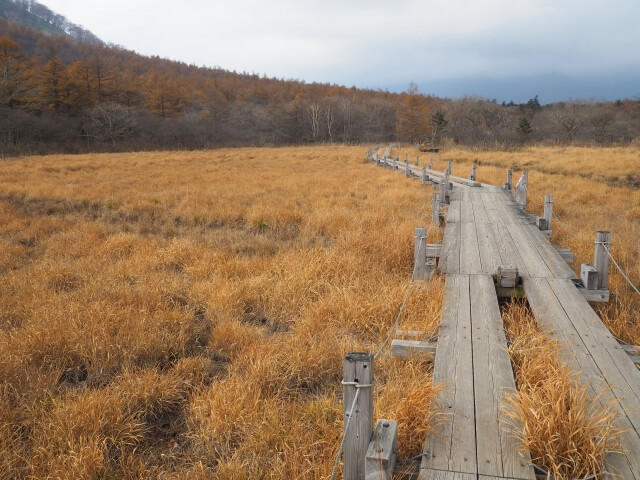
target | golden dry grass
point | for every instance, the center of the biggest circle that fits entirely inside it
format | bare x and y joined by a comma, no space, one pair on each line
561,421
185,315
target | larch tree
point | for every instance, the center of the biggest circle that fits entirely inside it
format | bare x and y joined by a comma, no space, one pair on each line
412,116
15,74
53,86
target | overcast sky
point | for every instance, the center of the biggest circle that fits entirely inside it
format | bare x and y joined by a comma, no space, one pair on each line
504,49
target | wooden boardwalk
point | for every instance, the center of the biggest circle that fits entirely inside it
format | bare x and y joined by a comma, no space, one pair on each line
485,229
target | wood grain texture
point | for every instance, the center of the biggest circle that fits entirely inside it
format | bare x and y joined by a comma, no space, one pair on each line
453,446
497,450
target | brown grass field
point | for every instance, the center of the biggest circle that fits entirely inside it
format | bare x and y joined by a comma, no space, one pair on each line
185,315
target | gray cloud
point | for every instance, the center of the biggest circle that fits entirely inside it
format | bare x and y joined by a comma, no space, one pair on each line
379,43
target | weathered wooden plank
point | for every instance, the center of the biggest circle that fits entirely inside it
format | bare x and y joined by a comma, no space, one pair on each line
509,254
548,253
552,317
469,251
536,267
450,260
453,446
490,258
479,212
497,450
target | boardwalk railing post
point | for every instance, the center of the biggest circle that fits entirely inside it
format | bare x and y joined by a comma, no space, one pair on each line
430,163
407,169
443,193
424,175
548,210
521,189
435,206
601,259
473,173
417,160
447,182
420,254
358,375
507,184
449,165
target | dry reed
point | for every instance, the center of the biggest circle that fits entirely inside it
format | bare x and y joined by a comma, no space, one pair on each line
185,315
561,420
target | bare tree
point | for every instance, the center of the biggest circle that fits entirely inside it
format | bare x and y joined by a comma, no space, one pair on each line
109,122
314,110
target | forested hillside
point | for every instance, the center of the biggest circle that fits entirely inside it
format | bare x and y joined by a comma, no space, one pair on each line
59,94
33,14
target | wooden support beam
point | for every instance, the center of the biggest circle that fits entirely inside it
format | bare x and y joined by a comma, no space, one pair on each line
433,250
633,351
449,165
405,349
589,276
594,295
565,253
358,375
382,451
507,276
431,163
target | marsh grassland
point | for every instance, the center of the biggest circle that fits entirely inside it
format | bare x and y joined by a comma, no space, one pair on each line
185,315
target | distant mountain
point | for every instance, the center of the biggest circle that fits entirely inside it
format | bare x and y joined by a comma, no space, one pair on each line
35,15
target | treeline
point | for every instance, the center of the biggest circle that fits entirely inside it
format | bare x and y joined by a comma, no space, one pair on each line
61,95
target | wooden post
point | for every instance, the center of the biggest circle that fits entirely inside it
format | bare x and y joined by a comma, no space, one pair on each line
435,214
601,258
509,179
406,158
395,163
443,193
358,370
420,254
449,167
424,175
447,182
407,169
417,160
548,210
473,172
431,163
